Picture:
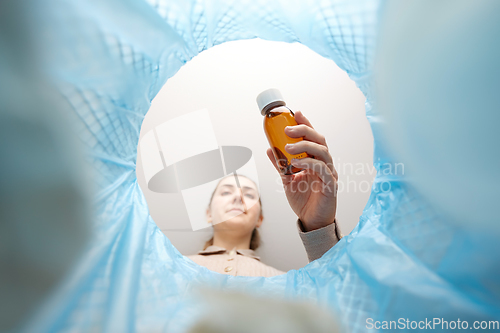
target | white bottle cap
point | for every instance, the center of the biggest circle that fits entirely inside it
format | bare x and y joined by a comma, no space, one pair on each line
269,98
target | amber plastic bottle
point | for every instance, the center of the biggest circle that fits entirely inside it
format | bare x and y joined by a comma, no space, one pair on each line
277,116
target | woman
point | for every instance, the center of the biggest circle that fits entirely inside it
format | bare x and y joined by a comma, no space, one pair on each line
235,209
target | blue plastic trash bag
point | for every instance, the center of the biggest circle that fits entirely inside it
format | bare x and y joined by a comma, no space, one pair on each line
406,262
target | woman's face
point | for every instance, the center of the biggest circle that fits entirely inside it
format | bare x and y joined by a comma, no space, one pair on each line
232,208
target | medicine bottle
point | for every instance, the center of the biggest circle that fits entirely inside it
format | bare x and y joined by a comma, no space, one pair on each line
277,116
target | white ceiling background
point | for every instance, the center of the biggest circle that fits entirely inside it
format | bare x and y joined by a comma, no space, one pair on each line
226,80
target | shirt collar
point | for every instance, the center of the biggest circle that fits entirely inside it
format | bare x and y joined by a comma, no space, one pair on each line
220,250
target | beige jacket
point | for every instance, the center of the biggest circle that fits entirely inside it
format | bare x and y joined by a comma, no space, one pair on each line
247,263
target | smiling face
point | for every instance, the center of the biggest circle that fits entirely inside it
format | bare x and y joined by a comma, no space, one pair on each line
232,208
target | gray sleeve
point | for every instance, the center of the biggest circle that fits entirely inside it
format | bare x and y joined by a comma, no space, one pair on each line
318,242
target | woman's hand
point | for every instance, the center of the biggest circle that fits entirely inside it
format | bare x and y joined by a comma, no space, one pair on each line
312,193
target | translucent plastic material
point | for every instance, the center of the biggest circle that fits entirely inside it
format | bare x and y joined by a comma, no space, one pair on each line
110,58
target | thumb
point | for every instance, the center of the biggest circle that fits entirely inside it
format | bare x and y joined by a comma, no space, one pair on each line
273,160
284,178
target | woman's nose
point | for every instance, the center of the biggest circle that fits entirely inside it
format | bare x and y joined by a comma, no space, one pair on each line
239,197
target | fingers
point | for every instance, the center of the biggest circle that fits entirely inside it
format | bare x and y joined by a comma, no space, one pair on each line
319,152
319,168
304,129
307,132
301,119
318,147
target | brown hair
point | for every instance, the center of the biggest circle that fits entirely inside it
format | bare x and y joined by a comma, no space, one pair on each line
255,240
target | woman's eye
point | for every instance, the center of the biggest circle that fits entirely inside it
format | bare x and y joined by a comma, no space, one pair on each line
226,192
250,196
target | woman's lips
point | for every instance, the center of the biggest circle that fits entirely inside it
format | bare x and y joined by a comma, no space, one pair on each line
236,209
